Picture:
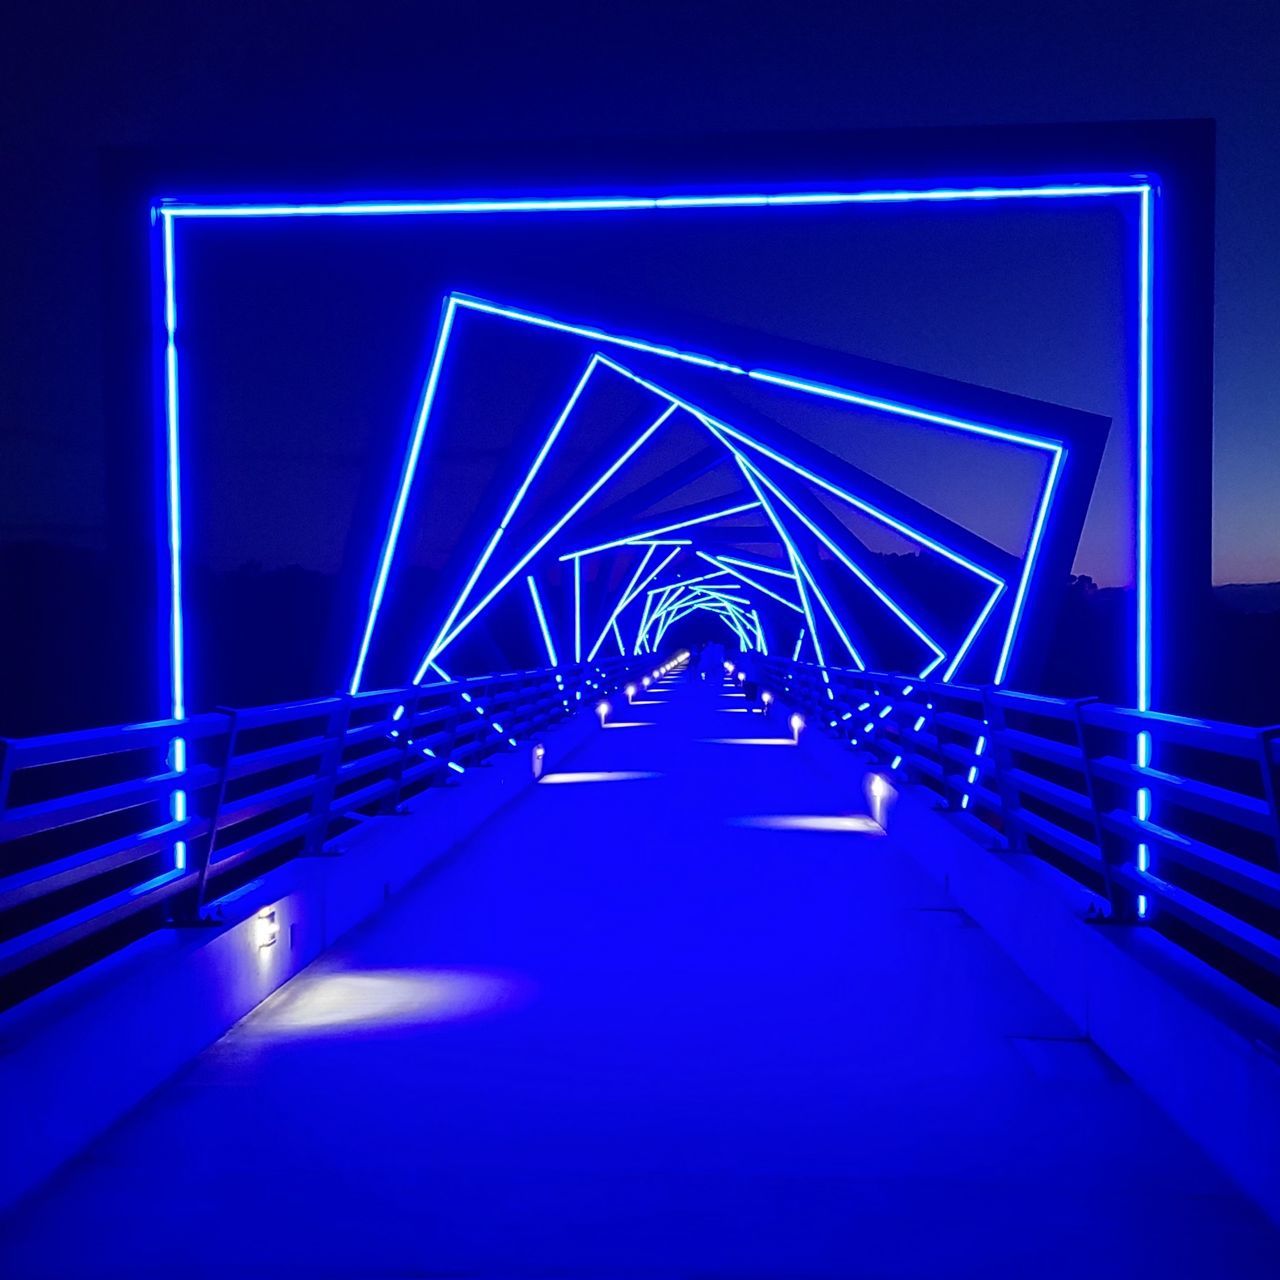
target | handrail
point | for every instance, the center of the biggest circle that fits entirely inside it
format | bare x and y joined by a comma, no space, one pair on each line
93,851
106,833
1188,844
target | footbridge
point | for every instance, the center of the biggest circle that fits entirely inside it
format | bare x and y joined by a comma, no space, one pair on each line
641,968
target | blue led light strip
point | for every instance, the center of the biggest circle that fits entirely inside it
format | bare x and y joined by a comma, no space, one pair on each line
634,590
703,605
883,596
514,505
621,203
542,621
649,534
173,480
825,390
407,473
683,598
672,593
577,611
904,529
831,613
797,566
586,497
720,564
621,602
757,568
911,412
1146,271
721,430
170,210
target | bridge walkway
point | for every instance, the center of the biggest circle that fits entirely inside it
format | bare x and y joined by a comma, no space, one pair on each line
676,1012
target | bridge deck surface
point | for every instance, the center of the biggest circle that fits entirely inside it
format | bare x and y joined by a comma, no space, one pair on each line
626,1033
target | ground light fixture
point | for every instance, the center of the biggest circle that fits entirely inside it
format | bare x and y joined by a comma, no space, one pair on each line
880,795
630,691
265,928
645,681
602,710
539,756
797,723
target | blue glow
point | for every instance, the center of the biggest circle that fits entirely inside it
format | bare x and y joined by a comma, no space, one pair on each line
173,480
402,494
577,611
173,487
757,568
170,210
720,430
893,523
630,594
1033,551
677,605
967,643
603,479
882,595
516,500
621,603
668,528
795,656
803,575
1146,258
755,585
595,335
599,204
542,622
902,410
792,554
457,768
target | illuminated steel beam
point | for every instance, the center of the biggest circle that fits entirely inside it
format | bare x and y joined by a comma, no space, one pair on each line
668,528
720,563
542,622
583,499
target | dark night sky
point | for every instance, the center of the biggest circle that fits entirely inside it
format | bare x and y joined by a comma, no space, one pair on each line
258,75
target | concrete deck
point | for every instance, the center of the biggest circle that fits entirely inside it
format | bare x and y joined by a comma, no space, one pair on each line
629,1031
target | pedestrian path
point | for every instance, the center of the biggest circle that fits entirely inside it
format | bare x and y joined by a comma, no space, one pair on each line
682,1010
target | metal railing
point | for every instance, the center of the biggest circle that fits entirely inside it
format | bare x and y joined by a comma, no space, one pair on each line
103,838
1189,842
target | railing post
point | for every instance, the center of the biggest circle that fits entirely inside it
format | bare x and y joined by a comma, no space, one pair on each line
6,768
1015,834
1267,739
215,812
402,742
1120,907
327,774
